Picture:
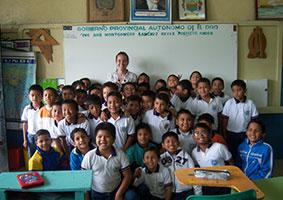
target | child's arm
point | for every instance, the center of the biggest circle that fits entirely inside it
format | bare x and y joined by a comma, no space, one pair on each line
127,174
129,142
25,128
219,116
224,126
65,147
168,192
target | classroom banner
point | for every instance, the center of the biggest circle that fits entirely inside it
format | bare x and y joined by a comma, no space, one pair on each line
19,70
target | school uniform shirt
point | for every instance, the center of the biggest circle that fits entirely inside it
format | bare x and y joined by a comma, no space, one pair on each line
179,161
129,77
158,125
256,161
155,182
137,120
215,155
92,124
186,140
125,127
179,104
76,158
106,173
54,130
31,116
65,128
200,107
239,114
42,161
45,120
135,154
222,97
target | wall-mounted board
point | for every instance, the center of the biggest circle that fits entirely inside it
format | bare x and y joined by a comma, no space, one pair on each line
158,50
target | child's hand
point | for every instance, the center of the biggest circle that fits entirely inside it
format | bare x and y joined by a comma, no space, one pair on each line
138,172
25,144
103,116
127,113
118,197
81,118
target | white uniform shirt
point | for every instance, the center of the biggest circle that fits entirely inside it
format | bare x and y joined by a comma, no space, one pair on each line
200,107
180,161
125,126
66,128
106,175
31,116
222,97
158,125
186,140
215,155
239,113
155,182
179,104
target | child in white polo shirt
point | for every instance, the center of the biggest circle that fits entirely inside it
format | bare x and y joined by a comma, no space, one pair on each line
69,123
30,118
125,126
217,85
176,158
209,154
184,130
108,164
172,82
182,98
106,89
237,113
159,120
154,182
206,102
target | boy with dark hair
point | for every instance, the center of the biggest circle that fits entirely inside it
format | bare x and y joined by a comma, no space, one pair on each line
182,98
128,89
237,113
159,83
133,106
78,84
80,98
142,87
68,92
46,158
172,82
143,78
148,98
176,158
108,164
106,89
30,118
217,87
125,126
86,83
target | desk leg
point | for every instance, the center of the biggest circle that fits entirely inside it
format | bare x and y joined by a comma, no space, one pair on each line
79,195
3,195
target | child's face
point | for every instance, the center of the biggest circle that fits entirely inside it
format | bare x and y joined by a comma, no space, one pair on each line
143,137
129,90
160,105
170,144
105,92
185,122
133,107
217,86
96,92
172,82
195,78
86,84
68,94
114,104
49,97
122,62
57,112
81,140
69,112
80,98
201,136
80,87
35,97
104,140
203,89
254,133
141,89
238,92
180,92
158,85
94,109
43,142
151,160
142,79
206,122
147,103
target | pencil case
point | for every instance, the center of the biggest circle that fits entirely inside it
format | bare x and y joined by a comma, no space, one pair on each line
212,174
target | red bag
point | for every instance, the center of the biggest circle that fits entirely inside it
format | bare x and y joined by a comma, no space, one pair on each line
31,179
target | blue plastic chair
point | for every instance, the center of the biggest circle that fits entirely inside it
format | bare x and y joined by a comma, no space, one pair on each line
245,195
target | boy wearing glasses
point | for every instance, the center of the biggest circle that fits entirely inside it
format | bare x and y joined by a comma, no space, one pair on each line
209,154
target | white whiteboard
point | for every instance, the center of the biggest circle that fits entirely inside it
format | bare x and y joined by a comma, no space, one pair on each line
158,50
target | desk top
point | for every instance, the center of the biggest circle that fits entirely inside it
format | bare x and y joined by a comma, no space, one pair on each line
238,181
54,181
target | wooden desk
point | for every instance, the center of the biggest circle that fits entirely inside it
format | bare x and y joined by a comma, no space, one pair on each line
77,181
238,181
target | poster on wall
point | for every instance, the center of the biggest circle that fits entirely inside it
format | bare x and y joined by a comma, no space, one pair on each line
269,9
192,9
151,11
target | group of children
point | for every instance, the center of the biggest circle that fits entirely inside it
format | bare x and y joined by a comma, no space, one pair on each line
133,138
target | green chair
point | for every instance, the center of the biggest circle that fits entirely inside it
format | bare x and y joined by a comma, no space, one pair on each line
245,195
